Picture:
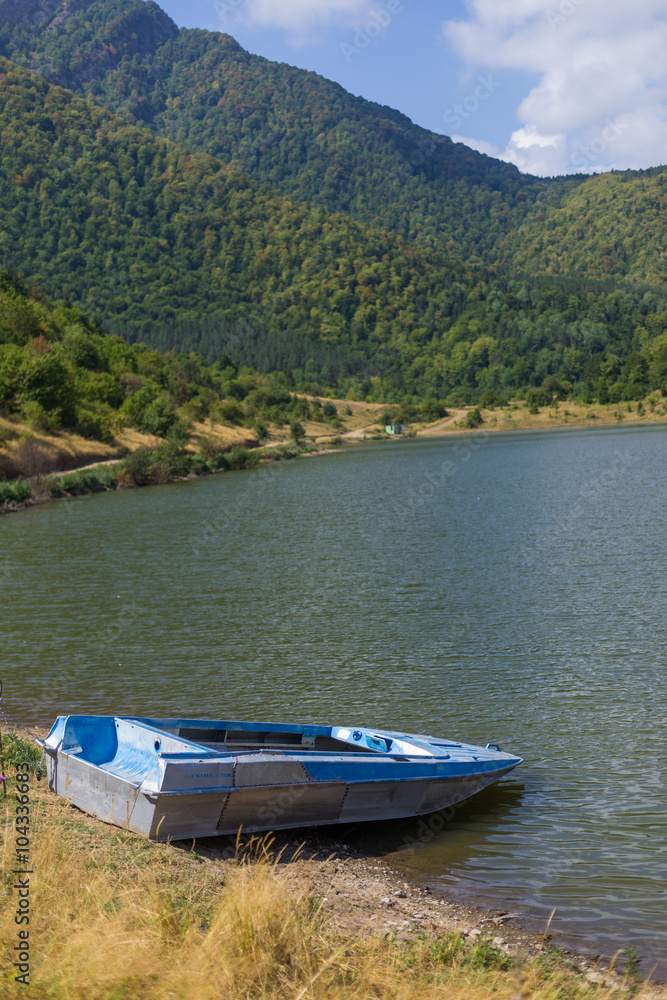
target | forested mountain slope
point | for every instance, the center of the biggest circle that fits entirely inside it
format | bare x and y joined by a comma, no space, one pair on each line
59,370
310,139
285,127
169,246
613,225
156,240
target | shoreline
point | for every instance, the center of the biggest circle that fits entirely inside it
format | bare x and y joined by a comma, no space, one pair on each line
319,447
358,893
363,893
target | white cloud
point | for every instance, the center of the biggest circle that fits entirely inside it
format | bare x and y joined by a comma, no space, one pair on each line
479,144
601,100
301,18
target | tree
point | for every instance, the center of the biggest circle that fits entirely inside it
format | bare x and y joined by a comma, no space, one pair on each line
474,418
297,431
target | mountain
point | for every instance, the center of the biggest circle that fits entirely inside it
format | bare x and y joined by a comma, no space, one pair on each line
171,247
310,139
180,248
291,129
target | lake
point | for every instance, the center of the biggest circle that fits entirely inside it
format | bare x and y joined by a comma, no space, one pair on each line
505,588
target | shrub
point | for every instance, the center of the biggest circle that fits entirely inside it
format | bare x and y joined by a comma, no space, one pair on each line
39,419
80,349
71,482
297,431
209,449
236,390
217,462
87,480
136,468
300,408
46,380
285,451
172,460
473,418
434,410
266,397
230,413
17,751
159,417
155,465
242,458
15,492
99,425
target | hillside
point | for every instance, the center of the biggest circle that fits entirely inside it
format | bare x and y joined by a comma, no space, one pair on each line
173,248
293,130
71,394
156,239
613,225
310,139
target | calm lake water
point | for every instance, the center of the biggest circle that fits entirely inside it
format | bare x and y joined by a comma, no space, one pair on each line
507,589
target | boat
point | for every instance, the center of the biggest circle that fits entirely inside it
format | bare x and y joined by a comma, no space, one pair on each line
171,779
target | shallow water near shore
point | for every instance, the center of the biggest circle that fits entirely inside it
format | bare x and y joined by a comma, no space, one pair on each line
491,588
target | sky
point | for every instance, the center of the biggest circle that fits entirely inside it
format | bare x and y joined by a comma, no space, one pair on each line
553,86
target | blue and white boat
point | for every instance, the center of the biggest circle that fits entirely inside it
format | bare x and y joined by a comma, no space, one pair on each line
182,778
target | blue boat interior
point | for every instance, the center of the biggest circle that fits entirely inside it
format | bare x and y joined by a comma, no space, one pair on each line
128,748
240,736
114,742
131,747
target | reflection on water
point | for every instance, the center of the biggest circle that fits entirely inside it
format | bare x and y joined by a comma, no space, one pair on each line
511,590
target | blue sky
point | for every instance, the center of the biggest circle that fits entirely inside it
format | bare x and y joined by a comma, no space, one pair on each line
554,86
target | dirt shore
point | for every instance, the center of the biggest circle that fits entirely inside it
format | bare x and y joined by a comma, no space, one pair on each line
357,889
363,894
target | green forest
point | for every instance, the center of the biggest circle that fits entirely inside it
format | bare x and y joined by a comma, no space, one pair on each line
308,138
295,131
202,200
60,371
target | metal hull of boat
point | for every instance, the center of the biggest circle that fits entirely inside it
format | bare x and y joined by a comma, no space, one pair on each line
164,787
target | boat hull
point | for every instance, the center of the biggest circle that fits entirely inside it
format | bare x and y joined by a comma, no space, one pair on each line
167,788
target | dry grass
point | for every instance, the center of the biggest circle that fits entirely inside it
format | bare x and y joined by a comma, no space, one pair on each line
569,414
114,917
517,417
26,452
